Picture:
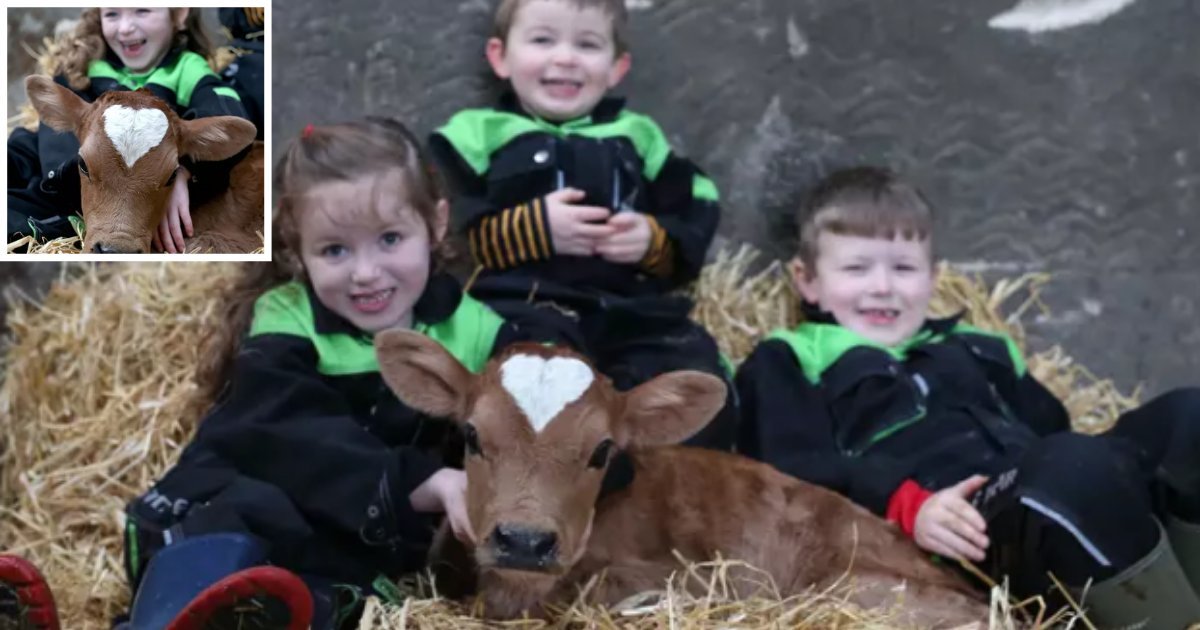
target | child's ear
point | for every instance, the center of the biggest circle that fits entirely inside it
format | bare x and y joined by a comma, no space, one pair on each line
441,220
495,56
803,281
619,70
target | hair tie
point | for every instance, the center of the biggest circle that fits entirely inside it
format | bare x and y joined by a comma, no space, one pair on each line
308,129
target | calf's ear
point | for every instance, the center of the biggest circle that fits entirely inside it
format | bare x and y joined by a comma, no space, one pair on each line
423,374
215,138
60,108
668,409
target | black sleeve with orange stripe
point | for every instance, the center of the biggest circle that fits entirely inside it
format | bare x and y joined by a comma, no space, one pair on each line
500,238
511,237
689,223
660,257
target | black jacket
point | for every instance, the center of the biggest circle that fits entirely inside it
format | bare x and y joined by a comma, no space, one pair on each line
501,162
309,449
825,405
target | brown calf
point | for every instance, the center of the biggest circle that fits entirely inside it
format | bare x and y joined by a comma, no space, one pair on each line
130,144
541,427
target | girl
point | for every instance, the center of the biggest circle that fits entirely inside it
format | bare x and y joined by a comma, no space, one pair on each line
307,461
162,50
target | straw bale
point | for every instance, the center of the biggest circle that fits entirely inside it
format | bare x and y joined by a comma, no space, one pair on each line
99,399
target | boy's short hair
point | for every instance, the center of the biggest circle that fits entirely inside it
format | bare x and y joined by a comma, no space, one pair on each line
506,11
863,201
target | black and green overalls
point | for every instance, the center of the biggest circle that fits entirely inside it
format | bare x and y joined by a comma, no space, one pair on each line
43,168
886,425
501,163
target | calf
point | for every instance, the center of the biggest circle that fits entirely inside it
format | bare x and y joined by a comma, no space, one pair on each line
541,428
130,145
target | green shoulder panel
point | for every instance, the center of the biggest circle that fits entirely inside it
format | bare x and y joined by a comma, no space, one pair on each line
645,134
182,76
704,188
476,133
469,334
227,91
285,310
1014,353
818,346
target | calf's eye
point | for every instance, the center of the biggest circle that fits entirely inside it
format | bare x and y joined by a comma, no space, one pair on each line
600,456
471,436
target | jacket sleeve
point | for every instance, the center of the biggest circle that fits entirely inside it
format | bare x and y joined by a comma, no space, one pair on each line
1026,398
685,213
1034,405
212,97
786,423
202,93
499,238
282,423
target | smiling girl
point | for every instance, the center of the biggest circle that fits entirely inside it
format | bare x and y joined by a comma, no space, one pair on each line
163,50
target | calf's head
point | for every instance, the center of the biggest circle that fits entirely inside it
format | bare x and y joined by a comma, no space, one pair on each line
540,427
130,144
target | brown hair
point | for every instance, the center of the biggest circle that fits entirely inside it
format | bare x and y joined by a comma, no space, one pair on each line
322,154
87,45
506,12
864,201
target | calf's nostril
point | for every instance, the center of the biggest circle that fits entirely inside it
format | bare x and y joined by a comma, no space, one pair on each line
543,545
523,541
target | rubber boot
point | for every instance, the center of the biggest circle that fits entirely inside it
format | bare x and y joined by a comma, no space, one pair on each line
1185,540
217,581
26,602
1153,594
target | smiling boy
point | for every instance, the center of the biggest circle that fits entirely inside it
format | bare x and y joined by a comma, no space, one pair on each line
940,427
581,219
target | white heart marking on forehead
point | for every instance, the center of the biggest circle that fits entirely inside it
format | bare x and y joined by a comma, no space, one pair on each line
542,388
134,132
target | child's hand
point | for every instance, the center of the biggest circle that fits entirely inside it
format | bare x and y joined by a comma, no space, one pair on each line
631,240
446,491
571,226
949,525
169,237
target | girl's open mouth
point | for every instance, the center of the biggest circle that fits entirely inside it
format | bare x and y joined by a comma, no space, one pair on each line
134,48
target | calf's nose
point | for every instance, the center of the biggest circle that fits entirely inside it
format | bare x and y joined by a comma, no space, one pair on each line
104,248
525,545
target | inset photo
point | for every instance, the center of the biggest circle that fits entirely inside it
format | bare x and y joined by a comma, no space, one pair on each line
137,131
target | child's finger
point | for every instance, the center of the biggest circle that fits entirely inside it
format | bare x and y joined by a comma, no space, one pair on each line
962,547
176,232
968,513
965,529
588,230
566,195
970,486
165,234
592,213
623,221
185,218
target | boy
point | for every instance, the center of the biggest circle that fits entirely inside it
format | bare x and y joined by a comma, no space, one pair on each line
940,428
580,217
